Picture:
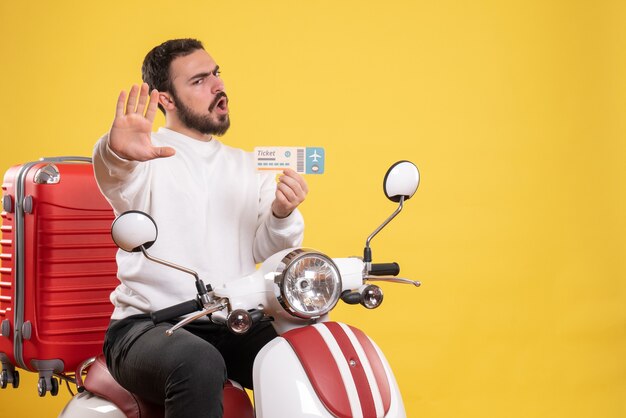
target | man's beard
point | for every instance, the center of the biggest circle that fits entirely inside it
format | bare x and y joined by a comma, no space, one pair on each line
202,123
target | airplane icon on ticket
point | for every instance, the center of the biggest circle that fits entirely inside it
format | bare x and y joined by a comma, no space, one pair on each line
315,156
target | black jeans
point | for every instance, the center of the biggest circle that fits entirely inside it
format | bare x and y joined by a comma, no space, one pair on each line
184,372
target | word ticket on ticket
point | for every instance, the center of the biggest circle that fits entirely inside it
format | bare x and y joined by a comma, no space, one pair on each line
303,160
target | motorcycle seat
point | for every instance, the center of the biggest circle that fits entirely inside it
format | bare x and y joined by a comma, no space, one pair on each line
99,381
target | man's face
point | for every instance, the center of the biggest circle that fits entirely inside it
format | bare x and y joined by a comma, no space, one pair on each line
198,93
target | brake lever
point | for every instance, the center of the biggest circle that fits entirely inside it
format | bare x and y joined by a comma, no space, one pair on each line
220,304
393,280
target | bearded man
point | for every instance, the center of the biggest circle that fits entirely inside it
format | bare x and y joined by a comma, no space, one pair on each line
215,213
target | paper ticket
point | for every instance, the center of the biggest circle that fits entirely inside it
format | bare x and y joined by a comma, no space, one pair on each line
303,160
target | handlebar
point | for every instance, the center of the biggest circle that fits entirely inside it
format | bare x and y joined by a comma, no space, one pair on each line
384,269
175,311
351,297
256,315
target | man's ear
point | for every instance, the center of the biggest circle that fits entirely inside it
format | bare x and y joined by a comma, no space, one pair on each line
166,100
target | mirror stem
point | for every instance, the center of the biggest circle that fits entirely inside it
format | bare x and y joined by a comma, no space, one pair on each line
167,263
367,251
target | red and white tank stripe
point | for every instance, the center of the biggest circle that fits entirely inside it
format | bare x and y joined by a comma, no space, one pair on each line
344,369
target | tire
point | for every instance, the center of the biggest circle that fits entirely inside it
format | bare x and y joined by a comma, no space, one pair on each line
4,379
41,387
16,379
54,390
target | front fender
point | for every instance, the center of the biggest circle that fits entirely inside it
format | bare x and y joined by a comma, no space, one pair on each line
325,370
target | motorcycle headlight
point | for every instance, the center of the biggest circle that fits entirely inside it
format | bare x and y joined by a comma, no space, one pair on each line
309,283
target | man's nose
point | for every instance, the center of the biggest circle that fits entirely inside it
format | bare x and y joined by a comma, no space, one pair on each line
217,84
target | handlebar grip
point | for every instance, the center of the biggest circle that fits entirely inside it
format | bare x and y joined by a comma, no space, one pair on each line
256,315
175,311
351,298
385,269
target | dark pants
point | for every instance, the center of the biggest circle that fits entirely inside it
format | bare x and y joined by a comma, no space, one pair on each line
184,372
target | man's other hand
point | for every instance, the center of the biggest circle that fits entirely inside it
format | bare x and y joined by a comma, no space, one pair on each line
291,190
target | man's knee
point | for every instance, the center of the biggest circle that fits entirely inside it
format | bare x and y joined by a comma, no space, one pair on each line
202,371
195,386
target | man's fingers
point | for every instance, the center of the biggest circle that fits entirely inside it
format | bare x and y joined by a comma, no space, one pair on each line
281,206
297,177
163,152
282,200
296,183
288,192
143,99
131,104
291,183
152,106
291,190
128,104
121,100
147,154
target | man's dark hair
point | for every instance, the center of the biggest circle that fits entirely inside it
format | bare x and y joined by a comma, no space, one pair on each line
156,65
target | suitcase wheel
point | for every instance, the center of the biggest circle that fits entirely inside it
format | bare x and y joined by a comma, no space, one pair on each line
42,386
14,379
4,379
54,390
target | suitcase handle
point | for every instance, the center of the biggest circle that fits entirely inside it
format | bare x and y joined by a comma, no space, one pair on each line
65,159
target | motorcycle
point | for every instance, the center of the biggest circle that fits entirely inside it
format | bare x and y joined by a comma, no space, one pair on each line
327,369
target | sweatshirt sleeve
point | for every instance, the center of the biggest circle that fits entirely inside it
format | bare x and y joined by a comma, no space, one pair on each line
274,234
124,183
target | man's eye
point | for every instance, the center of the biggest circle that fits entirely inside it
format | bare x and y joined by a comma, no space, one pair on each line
217,73
199,81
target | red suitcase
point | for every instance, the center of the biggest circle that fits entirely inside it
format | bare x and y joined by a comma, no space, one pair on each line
58,269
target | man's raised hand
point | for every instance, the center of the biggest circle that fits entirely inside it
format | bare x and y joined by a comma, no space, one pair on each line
130,134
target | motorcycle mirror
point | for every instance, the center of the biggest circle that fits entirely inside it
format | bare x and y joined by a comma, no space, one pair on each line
133,230
401,180
400,184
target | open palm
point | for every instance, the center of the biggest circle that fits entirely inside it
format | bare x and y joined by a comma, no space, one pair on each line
130,134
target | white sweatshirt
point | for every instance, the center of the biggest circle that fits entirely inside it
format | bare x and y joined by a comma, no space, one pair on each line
213,212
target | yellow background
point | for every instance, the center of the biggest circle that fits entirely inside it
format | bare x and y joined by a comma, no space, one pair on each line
513,110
